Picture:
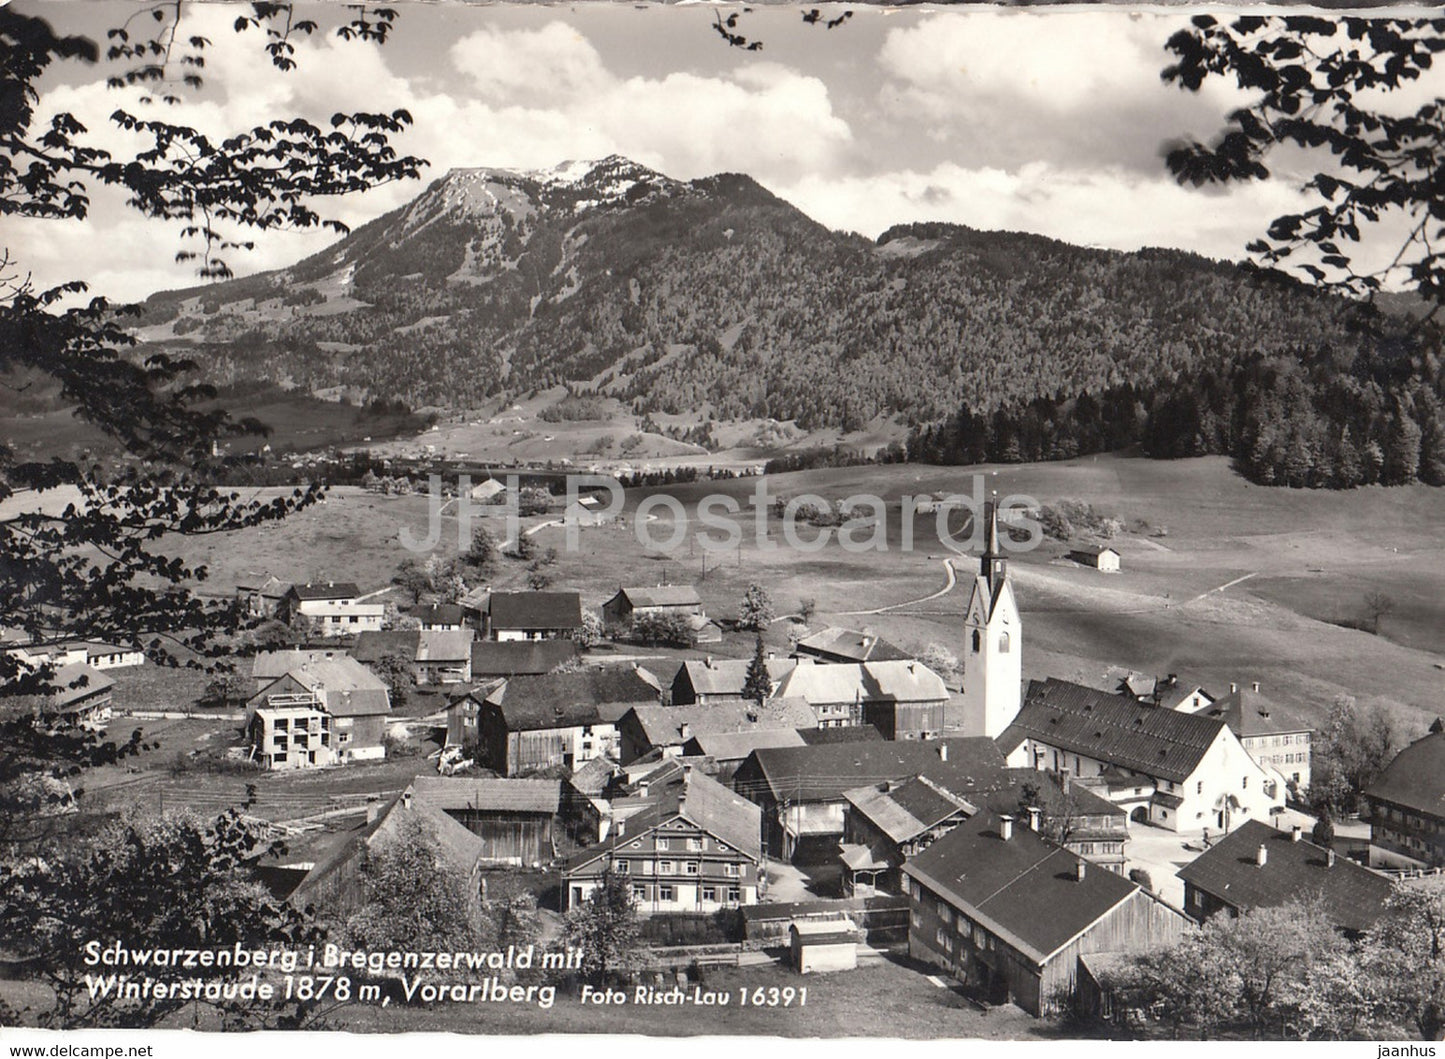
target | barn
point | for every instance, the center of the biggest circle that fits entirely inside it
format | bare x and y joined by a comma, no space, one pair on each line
512,818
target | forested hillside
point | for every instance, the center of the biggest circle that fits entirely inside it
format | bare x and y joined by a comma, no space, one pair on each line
714,297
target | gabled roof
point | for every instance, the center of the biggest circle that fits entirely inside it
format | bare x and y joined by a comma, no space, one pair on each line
439,614
374,646
562,700
848,682
455,793
727,676
674,725
271,665
269,587
1025,890
444,645
850,733
66,696
850,644
661,596
593,776
1248,713
823,773
734,746
702,802
535,610
511,658
1353,896
1116,729
909,809
325,590
1416,778
348,688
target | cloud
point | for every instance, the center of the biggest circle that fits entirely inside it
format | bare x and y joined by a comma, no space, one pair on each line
554,63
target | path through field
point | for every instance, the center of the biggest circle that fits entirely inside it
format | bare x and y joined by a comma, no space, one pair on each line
951,580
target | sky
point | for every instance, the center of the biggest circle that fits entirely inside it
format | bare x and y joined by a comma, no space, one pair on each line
1045,120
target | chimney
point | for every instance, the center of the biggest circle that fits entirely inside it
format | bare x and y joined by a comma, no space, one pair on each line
1261,855
1081,868
1233,687
1034,815
406,798
707,661
1329,858
373,810
1294,833
684,730
1255,686
1066,779
942,751
642,789
1006,828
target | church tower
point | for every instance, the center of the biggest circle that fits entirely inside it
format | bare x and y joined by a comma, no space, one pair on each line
992,644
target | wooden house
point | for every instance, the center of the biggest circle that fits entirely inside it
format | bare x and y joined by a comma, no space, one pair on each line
695,849
513,819
1009,913
492,659
82,697
1407,806
643,729
434,656
889,822
902,699
702,680
657,600
1103,559
841,646
532,615
439,617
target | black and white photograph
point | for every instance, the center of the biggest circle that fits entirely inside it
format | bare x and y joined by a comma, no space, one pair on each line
722,522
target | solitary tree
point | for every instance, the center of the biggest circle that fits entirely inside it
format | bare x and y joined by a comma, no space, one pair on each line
756,612
758,685
414,897
604,927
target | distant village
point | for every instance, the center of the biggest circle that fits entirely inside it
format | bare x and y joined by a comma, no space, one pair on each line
827,799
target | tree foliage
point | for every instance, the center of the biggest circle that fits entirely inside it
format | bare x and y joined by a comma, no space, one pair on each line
414,897
604,927
1348,752
758,684
756,612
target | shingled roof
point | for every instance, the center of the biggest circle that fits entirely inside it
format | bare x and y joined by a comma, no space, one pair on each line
511,658
1116,729
1248,713
1025,890
909,809
673,725
727,676
1416,778
821,683
319,590
852,645
451,793
1353,896
562,700
825,772
346,686
534,610
661,596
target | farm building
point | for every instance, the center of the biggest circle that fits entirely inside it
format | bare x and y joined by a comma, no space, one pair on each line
711,679
323,712
335,885
801,790
660,600
728,750
695,849
532,615
887,823
435,656
487,491
845,645
643,729
518,658
816,946
264,597
1103,559
1175,769
82,697
333,607
514,819
1009,913
1407,806
1258,866
903,700
557,719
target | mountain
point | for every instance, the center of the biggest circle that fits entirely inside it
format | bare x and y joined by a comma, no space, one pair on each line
714,296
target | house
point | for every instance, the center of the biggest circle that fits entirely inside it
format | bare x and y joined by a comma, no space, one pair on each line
333,608
270,666
93,653
816,946
1407,806
1104,559
902,699
659,600
846,645
711,679
513,819
694,850
518,658
532,615
887,823
82,696
863,733
435,656
564,719
1258,866
323,712
1273,735
487,491
335,883
1073,815
1180,771
802,790
643,729
1008,912
728,750
263,597
440,617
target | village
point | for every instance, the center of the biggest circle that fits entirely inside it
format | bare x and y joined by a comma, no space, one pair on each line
835,806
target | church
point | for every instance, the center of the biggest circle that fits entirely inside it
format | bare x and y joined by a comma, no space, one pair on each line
993,648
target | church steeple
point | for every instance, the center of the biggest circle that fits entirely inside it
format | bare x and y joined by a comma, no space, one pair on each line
992,668
993,565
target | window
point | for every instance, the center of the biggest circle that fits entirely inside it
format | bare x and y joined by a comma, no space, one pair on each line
709,893
734,894
977,641
732,869
661,842
1244,783
1199,787
624,867
689,867
694,845
915,918
666,893
639,893
1003,643
664,867
945,913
